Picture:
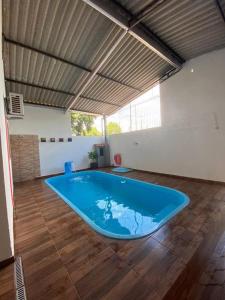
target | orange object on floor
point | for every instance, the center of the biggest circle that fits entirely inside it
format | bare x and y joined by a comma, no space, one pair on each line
118,159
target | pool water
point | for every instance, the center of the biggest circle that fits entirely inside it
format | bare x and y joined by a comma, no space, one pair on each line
117,206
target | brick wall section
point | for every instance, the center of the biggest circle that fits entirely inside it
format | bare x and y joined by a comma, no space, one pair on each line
25,157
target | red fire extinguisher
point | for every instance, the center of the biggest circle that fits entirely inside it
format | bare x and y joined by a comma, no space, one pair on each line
117,159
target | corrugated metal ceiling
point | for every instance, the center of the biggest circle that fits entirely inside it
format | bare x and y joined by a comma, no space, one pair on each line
190,27
76,33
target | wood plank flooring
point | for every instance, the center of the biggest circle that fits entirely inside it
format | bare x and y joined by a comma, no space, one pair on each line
63,258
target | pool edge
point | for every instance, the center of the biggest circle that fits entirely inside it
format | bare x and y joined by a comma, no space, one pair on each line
107,233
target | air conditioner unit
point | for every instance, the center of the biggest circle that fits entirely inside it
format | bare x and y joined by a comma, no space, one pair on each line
15,105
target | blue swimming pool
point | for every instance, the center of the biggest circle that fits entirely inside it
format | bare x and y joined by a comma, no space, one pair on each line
117,206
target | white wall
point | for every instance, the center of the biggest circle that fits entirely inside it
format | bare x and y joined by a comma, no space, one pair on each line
6,190
50,122
53,155
43,121
191,141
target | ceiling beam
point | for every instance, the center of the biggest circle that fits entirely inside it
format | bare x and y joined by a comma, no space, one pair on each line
101,101
29,102
220,9
95,71
38,86
121,16
58,91
19,44
145,12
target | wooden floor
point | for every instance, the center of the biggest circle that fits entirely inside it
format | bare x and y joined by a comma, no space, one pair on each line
63,258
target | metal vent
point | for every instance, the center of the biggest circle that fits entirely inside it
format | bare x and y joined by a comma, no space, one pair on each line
19,279
16,104
21,294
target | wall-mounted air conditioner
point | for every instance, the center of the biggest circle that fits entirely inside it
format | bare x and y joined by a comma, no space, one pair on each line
15,105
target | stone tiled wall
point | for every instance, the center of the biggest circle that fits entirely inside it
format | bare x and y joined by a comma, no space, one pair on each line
25,157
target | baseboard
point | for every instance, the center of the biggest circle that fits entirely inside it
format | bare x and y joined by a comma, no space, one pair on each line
182,177
7,262
61,173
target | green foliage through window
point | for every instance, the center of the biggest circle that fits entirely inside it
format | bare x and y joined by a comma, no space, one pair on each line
113,128
83,124
93,132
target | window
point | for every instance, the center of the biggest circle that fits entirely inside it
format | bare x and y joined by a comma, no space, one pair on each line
143,112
